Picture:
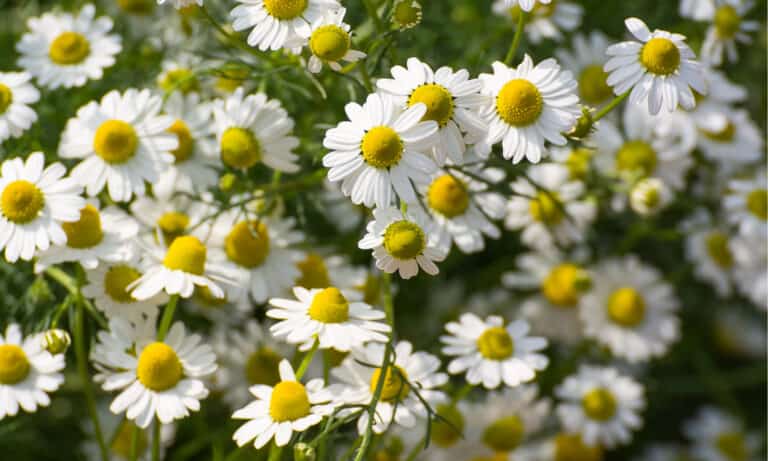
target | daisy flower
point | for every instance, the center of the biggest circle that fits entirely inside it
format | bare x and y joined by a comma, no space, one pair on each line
630,309
697,9
252,129
546,19
445,436
717,436
530,105
564,446
728,27
280,410
586,61
179,75
123,142
65,50
34,203
491,353
738,334
729,137
649,196
526,5
708,247
578,160
165,218
383,147
331,43
410,372
325,316
746,204
17,94
154,377
406,14
751,271
660,69
277,22
27,372
549,208
402,242
319,271
600,404
452,100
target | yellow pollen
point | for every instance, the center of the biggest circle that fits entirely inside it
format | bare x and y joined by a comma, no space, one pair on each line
505,434
546,208
21,201
180,79
718,249
314,273
14,364
117,279
329,306
289,401
121,441
262,367
727,22
564,284
757,203
637,156
382,147
186,254
733,446
593,87
723,136
660,56
115,141
448,196
329,43
285,9
69,48
406,15
447,431
172,224
519,102
578,162
247,243
86,232
496,344
239,148
6,98
570,447
404,240
437,98
599,404
626,307
186,142
394,387
159,367
138,7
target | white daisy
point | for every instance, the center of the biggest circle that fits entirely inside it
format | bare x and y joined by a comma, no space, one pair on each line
276,22
318,271
708,248
452,100
178,74
331,42
710,111
729,137
737,334
531,105
34,203
154,377
123,141
546,19
526,5
578,160
697,9
27,372
746,204
17,94
630,309
280,410
65,50
586,61
410,372
382,147
402,242
751,271
164,218
447,431
728,27
649,196
600,404
660,71
717,436
252,129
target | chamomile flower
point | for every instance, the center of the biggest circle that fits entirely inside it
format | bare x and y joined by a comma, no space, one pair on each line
361,371
586,61
178,75
382,147
280,410
549,208
660,69
452,100
630,309
526,5
27,372
708,247
108,284
162,219
563,447
277,22
530,105
728,28
65,50
35,202
123,142
445,436
162,378
746,204
331,43
252,129
402,242
737,334
729,137
546,19
649,196
601,404
17,94
406,14
717,436
319,271
492,354
697,9
751,271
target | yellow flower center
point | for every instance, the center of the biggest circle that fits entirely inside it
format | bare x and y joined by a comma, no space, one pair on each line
718,249
262,367
285,9
727,22
570,447
329,306
564,284
404,240
14,364
546,208
239,148
21,201
496,344
519,102
115,141
447,430
437,98
505,434
186,142
371,289
138,7
394,387
723,136
231,79
172,224
86,232
448,196
329,43
69,48
636,156
6,98
757,203
121,441
247,243
406,14
205,298
186,254
626,307
117,279
382,147
181,79
599,404
159,367
733,446
578,162
660,56
650,196
314,273
593,87
289,401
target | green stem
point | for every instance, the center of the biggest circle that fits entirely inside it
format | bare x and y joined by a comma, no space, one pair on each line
374,14
68,282
611,105
275,453
466,389
516,40
307,360
156,441
165,322
134,451
366,77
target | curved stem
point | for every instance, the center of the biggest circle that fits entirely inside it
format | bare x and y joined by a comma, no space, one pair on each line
307,360
275,453
156,441
165,322
134,450
516,40
611,105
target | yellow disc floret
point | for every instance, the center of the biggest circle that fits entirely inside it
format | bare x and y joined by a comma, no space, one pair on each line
438,100
86,232
180,79
757,203
285,9
69,48
448,196
505,434
21,201
186,141
406,14
570,447
116,280
382,147
599,404
14,364
578,162
546,208
725,135
239,148
733,446
519,102
718,249
638,157
262,367
660,56
6,98
289,401
495,343
564,284
329,43
593,86
159,367
404,240
727,22
172,224
247,243
314,273
115,141
186,254
394,387
447,429
626,307
329,306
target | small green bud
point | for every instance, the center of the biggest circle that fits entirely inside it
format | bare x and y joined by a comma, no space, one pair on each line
304,452
227,182
584,125
56,341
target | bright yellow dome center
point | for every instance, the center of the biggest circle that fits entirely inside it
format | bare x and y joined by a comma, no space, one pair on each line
546,208
121,441
718,249
599,404
519,102
285,9
180,79
637,156
172,224
564,284
445,434
437,98
626,307
248,243
69,48
239,148
14,364
159,367
495,344
382,147
394,387
448,196
137,7
262,367
116,281
757,203
725,135
404,240
21,201
733,446
115,141
329,306
727,22
505,434
6,98
314,273
660,56
186,254
186,142
569,447
593,86
329,43
86,232
289,401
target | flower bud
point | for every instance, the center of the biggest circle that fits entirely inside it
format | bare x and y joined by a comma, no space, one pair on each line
406,14
584,125
649,196
227,182
304,452
56,341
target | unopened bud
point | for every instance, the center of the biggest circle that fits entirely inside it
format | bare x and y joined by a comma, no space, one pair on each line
406,14
649,196
227,182
56,341
584,125
304,452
